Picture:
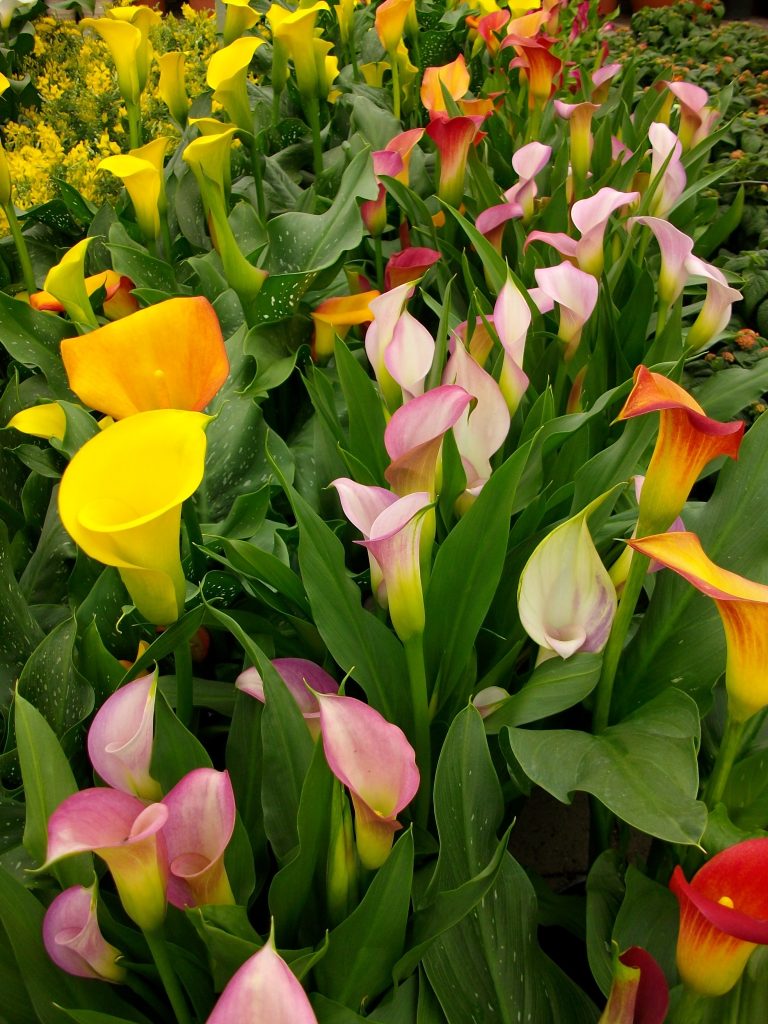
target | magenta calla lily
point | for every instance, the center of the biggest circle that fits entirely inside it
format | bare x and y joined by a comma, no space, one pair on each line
409,265
671,181
675,247
414,437
200,822
73,939
375,761
302,677
128,835
263,991
120,738
716,311
575,292
394,543
639,993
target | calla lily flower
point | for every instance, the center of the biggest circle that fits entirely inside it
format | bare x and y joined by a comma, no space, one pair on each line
409,356
142,18
335,316
579,118
590,216
696,118
723,917
409,265
675,247
688,440
128,835
47,420
125,44
511,320
390,22
528,162
716,311
540,66
601,81
120,500
172,86
491,222
121,736
167,356
743,608
227,71
394,543
362,505
481,431
414,437
263,989
489,700
141,171
73,939
453,136
565,598
672,180
118,300
639,993
404,144
302,678
488,28
66,282
575,292
201,820
453,77
375,761
386,310
294,33
240,18
374,211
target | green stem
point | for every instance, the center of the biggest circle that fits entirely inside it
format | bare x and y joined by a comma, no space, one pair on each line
257,179
313,115
534,123
168,977
276,94
27,272
165,233
395,85
661,318
414,656
195,538
687,1009
612,653
726,755
134,124
182,658
379,261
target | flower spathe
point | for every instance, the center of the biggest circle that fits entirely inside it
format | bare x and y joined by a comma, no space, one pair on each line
743,608
336,315
565,598
200,823
409,265
675,247
453,77
128,835
263,990
172,86
639,993
723,916
143,18
575,292
167,356
511,320
687,440
73,939
120,500
65,281
240,18
386,309
453,137
375,761
670,182
716,311
227,72
121,736
118,301
47,420
362,505
125,45
302,678
141,171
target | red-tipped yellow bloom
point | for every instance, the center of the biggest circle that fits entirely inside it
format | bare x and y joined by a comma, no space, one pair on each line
335,316
454,77
743,607
688,439
167,356
723,916
453,137
65,281
541,67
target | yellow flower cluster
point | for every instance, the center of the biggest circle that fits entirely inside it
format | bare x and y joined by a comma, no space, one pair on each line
80,119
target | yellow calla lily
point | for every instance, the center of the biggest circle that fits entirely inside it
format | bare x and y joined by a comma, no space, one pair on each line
240,18
373,73
141,171
172,86
4,83
46,421
120,500
294,31
143,18
390,22
167,356
227,72
66,282
124,42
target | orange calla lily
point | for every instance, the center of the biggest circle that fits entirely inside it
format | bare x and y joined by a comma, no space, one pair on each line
167,356
118,300
743,607
454,77
335,316
390,22
688,440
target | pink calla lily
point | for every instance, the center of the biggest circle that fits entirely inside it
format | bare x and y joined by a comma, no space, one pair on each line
73,939
128,835
263,991
120,738
528,162
675,247
362,505
601,81
697,119
512,319
414,437
575,292
672,181
375,761
201,820
716,311
579,117
491,222
299,675
404,144
409,356
386,310
374,211
409,265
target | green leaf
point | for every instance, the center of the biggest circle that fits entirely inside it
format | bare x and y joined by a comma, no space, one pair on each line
364,948
133,260
643,769
720,230
50,681
175,750
19,630
649,917
465,575
33,339
228,937
366,414
245,764
554,686
605,891
48,780
44,579
726,393
252,561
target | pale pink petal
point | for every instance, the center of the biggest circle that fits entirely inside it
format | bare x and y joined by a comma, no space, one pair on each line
605,74
663,142
512,319
361,503
574,291
96,818
619,151
530,159
424,419
593,212
492,218
387,162
543,302
73,939
693,96
409,355
563,243
121,735
386,311
263,991
675,247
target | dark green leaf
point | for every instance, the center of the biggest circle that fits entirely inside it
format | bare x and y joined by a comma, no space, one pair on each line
554,686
